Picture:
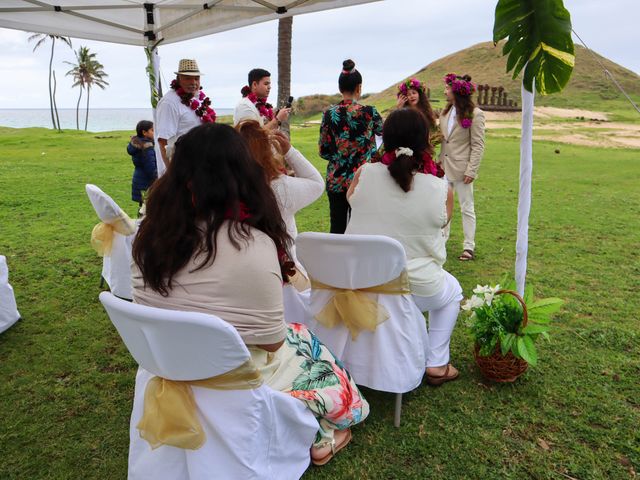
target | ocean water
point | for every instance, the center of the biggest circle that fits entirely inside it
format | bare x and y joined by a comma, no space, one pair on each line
100,119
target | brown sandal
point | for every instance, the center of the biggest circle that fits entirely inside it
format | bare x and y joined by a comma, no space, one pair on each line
437,380
334,449
466,256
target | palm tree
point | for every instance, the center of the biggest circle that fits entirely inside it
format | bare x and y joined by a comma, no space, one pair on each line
86,73
41,39
285,27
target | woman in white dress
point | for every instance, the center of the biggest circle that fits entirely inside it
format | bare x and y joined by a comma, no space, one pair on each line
401,197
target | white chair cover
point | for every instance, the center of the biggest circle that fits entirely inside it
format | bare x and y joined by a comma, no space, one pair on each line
295,304
391,359
8,310
116,267
250,434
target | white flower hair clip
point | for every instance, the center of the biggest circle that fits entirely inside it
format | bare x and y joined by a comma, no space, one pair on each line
404,151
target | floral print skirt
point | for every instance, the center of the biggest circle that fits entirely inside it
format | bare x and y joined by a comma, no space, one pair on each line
306,369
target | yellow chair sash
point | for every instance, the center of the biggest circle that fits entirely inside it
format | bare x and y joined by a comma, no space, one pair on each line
354,309
170,417
102,233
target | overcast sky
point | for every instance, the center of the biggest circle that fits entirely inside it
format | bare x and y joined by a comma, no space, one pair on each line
388,40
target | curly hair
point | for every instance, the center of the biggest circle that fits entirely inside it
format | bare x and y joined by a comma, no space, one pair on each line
264,150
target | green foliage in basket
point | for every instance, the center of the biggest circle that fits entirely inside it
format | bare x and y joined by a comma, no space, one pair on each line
496,320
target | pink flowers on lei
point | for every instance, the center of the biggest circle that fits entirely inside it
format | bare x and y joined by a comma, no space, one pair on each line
428,165
200,104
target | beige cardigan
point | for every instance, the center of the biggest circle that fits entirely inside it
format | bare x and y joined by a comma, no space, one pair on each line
242,287
461,152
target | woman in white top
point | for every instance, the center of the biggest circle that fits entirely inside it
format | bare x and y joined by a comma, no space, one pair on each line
271,150
401,197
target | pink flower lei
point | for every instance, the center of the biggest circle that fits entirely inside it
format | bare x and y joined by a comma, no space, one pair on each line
200,105
412,83
428,165
265,109
463,88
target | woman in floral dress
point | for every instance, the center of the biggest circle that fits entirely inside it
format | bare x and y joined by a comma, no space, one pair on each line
213,241
347,140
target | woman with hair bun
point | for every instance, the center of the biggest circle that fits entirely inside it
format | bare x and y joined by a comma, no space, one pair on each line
462,126
402,197
347,140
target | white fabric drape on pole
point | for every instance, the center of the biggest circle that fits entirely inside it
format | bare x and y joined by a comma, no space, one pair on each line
524,196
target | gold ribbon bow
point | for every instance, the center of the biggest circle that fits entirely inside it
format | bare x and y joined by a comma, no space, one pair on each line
170,417
355,309
102,233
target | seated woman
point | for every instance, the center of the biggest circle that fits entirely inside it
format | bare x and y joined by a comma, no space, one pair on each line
271,150
401,197
213,241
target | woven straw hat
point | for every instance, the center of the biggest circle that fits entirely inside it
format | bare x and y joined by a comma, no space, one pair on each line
188,67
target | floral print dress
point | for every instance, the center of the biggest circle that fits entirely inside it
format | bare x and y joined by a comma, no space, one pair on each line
307,370
347,140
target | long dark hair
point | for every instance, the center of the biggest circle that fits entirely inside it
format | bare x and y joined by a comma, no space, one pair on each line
424,105
464,103
211,178
407,128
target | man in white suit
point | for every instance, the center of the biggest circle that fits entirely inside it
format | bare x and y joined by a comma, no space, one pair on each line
462,127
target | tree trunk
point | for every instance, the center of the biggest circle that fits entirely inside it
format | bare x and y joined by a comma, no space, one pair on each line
53,120
86,116
78,110
284,65
55,106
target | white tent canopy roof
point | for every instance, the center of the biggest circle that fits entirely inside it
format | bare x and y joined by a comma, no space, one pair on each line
137,22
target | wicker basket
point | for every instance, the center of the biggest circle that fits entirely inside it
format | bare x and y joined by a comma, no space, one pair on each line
498,367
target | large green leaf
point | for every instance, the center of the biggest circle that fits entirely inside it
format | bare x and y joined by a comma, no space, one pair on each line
539,40
545,306
527,350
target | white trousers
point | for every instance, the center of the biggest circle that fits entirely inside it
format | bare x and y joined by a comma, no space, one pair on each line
465,199
443,311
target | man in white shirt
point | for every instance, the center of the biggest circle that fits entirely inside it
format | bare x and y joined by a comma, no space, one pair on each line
254,106
173,117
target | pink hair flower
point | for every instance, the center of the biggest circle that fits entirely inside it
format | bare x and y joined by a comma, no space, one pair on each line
465,122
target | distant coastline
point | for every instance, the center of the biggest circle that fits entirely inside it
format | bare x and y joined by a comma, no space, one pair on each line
100,119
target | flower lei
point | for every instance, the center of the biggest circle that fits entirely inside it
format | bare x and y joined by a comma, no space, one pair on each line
428,165
412,83
265,109
200,105
463,88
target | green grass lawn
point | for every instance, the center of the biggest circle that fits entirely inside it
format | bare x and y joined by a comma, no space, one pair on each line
66,380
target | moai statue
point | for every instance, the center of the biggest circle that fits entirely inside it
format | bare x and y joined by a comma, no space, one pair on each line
486,94
505,102
493,95
500,99
480,90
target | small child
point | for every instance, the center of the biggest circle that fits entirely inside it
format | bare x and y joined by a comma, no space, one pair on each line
143,156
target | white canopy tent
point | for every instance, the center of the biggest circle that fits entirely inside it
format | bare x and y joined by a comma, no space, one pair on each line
137,22
148,24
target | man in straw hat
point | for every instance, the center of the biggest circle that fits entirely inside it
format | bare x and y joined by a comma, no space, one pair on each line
174,113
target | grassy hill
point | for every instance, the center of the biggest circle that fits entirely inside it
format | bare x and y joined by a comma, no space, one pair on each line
588,88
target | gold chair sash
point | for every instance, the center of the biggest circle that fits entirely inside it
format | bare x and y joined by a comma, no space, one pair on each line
354,309
102,233
170,417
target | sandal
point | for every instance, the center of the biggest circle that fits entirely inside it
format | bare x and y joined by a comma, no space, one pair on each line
335,448
437,380
466,256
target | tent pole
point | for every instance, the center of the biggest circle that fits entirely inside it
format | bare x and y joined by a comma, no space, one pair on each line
524,195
